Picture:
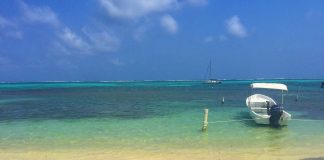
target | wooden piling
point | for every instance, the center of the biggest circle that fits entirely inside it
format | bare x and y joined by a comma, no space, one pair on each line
297,95
205,123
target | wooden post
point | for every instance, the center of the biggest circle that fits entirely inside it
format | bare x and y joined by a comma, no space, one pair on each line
223,100
205,124
297,95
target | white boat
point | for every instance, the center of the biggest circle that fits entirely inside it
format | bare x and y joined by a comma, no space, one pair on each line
210,79
213,81
263,109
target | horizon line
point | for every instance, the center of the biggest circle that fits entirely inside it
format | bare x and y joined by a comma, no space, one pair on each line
109,81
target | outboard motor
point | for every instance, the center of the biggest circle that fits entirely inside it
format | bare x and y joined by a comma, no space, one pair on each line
275,114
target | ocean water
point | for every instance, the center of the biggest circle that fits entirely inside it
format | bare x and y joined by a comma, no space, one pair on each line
154,117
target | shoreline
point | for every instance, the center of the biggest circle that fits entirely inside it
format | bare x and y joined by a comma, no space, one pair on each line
179,154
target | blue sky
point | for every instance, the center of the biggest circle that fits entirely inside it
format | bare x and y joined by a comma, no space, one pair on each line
49,40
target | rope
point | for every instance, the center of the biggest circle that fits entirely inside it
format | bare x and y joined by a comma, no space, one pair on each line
318,120
239,120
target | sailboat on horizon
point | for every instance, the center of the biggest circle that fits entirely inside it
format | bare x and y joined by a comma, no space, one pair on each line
211,80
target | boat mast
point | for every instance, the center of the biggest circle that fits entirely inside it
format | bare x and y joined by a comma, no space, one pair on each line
210,71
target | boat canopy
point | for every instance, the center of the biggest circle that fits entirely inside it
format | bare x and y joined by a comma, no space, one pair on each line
277,86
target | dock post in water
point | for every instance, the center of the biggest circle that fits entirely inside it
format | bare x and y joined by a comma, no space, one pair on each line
297,95
223,100
205,124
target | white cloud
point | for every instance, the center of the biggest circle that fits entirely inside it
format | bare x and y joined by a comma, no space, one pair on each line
102,41
5,23
197,2
235,27
169,24
139,12
9,29
57,48
39,14
130,9
73,41
69,42
15,34
92,42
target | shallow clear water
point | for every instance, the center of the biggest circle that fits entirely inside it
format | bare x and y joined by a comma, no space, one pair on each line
153,116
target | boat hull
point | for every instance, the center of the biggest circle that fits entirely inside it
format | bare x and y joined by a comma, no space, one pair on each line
213,81
259,113
265,119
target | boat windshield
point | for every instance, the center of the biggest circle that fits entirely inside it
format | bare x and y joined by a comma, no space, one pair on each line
276,95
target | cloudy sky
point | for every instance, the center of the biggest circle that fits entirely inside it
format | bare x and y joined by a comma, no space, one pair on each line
49,40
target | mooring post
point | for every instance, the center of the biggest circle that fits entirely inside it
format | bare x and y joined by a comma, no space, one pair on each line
205,123
223,100
297,95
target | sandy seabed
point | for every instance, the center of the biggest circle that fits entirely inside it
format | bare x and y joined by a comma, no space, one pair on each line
179,154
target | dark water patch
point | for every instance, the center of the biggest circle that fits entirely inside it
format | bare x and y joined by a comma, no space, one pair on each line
311,103
122,103
146,100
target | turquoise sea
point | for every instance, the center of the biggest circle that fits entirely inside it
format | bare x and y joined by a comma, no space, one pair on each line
155,117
